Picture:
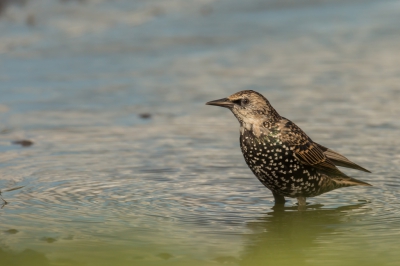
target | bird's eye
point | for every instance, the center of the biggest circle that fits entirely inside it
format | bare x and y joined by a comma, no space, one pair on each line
245,101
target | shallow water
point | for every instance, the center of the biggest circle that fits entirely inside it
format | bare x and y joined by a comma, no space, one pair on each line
129,167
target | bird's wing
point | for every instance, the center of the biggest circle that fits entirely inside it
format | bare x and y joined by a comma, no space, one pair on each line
305,150
339,159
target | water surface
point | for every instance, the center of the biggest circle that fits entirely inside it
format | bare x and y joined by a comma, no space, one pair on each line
129,167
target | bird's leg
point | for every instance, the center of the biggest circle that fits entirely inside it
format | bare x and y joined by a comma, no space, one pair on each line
301,201
279,199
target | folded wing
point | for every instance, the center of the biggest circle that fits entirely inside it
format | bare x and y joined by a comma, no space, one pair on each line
339,159
305,150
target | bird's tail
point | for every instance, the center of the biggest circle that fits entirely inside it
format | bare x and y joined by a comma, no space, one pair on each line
329,183
348,181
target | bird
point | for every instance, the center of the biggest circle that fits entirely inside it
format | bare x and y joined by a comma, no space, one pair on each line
281,155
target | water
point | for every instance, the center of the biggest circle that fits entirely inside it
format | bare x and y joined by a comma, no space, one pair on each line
103,186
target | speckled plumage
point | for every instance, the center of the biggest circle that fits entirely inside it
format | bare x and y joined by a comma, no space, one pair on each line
281,155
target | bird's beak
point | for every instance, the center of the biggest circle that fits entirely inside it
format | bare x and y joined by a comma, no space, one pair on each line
225,102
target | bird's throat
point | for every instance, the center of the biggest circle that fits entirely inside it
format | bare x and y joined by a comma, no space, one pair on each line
255,129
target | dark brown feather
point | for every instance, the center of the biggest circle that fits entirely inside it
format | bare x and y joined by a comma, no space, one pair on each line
306,151
339,159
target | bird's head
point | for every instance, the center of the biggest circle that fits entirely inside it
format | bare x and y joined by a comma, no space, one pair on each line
249,107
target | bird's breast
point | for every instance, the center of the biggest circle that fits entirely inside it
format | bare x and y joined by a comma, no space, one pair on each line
266,151
275,165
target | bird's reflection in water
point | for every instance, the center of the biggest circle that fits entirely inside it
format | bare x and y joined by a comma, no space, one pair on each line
284,235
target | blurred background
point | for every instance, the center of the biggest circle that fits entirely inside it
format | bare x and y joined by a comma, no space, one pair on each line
103,123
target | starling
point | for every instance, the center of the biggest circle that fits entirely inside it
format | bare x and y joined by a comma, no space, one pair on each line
281,155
